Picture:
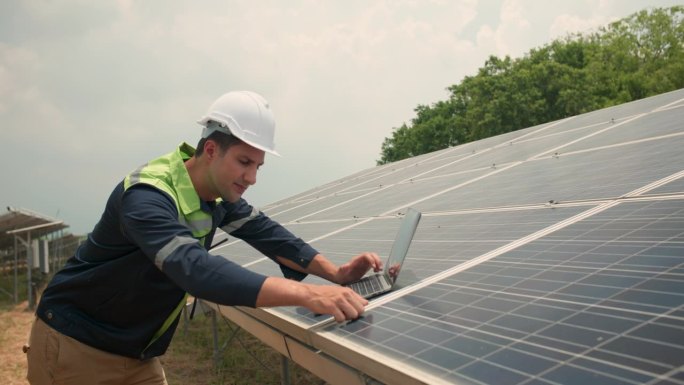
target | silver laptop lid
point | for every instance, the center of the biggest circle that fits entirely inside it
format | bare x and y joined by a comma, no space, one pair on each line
401,245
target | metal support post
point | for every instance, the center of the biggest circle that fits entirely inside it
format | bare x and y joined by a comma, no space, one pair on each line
284,370
16,273
217,349
186,320
29,263
29,268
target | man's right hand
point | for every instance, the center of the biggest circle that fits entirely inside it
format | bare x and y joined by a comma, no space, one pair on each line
340,302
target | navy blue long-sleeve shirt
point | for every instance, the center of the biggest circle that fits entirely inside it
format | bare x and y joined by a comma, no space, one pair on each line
115,292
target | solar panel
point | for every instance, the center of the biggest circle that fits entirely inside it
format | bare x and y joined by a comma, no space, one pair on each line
593,299
550,255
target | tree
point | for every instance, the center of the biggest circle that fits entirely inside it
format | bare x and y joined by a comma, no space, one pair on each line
636,57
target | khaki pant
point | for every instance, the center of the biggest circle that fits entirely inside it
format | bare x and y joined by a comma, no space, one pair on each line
56,359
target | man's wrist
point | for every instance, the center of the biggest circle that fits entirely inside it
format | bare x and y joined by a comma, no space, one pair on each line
277,291
325,269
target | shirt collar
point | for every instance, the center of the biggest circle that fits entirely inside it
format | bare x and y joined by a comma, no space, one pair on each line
188,199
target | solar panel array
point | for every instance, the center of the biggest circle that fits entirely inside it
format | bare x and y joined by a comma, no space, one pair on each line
549,255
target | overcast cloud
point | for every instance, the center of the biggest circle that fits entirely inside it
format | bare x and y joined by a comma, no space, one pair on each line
89,90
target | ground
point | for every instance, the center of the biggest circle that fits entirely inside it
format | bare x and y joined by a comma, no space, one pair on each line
15,324
189,360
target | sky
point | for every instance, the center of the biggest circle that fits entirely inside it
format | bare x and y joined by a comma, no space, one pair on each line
90,90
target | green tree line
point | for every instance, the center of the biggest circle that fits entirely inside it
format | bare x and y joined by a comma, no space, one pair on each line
638,56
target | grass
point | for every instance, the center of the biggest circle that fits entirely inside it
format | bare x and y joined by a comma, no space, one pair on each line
243,360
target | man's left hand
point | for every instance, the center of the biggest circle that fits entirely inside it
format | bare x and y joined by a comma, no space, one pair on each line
357,267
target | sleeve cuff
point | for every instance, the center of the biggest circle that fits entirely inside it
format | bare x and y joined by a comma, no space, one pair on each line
306,255
292,274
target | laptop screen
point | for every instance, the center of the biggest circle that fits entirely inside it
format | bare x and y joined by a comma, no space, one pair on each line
401,244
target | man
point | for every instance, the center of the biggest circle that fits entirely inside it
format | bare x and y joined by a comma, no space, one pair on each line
113,309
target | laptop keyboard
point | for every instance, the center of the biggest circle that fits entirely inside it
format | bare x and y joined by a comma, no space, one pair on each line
367,286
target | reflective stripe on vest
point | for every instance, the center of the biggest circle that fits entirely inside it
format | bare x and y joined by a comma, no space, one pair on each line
169,320
198,222
234,225
170,248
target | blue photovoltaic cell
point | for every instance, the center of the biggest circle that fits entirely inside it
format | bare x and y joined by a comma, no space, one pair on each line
469,235
320,203
658,124
392,197
553,309
596,175
628,110
241,253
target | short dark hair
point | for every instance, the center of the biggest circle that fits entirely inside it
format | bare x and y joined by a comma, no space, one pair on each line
224,141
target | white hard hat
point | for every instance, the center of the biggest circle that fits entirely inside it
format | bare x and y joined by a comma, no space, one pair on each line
244,114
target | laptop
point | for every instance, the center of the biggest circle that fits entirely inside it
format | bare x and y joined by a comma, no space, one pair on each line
382,282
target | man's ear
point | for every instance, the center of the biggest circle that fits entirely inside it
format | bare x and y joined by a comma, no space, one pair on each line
211,149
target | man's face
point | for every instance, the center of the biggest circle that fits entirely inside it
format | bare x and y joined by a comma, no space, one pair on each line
232,172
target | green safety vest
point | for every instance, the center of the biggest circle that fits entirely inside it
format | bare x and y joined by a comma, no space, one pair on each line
168,174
